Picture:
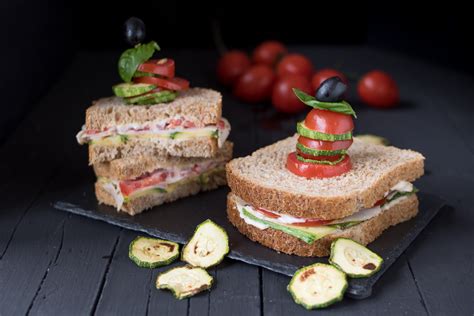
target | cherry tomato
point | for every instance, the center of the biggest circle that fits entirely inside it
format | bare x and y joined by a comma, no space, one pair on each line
295,64
324,145
268,53
378,89
163,67
167,83
231,66
321,158
324,74
129,186
255,85
329,122
313,170
283,98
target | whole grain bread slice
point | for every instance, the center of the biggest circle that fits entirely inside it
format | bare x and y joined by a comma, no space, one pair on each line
142,203
203,105
132,167
262,180
137,147
363,233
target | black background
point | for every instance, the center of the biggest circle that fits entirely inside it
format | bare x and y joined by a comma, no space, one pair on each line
40,38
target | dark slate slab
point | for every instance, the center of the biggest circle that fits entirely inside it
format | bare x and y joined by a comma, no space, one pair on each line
177,221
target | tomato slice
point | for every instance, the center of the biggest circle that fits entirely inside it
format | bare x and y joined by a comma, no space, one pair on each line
127,187
329,122
167,83
312,222
307,221
380,202
324,145
323,158
267,213
312,170
163,67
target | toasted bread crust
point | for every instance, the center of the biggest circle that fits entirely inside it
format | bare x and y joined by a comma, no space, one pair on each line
205,147
363,233
133,167
140,204
338,205
204,105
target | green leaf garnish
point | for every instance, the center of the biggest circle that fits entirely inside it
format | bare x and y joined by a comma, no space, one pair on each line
133,57
339,107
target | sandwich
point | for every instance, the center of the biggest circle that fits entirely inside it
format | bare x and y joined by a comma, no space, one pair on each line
301,193
156,140
295,215
189,126
132,185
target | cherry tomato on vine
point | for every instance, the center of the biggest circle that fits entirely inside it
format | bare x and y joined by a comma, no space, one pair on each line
231,66
255,85
295,64
268,53
283,98
378,89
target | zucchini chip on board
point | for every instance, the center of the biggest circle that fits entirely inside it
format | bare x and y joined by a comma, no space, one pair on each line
150,253
354,259
184,281
317,286
207,247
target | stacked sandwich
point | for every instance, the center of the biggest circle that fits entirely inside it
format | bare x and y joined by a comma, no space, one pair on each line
299,202
156,140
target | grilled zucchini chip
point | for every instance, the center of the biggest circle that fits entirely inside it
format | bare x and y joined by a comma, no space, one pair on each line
151,252
373,139
207,247
317,286
184,281
354,259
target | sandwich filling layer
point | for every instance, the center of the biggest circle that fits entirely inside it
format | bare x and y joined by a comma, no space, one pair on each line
173,128
160,181
310,230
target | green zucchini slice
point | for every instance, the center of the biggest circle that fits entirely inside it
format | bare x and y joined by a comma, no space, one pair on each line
151,252
317,286
306,132
318,152
184,281
354,259
373,139
207,247
126,90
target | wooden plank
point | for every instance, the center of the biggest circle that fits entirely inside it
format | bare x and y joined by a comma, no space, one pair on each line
237,290
74,281
394,294
126,283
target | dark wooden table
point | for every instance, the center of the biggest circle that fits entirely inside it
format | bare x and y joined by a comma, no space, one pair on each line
54,263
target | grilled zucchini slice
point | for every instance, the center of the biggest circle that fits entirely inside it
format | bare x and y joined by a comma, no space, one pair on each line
151,252
184,281
207,247
317,286
354,259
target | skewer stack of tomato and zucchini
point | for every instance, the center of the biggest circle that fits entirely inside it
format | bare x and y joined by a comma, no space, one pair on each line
326,133
146,80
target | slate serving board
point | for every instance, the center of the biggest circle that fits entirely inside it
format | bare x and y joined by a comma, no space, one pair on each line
176,222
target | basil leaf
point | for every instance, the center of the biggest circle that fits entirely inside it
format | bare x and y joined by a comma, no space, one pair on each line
133,57
339,107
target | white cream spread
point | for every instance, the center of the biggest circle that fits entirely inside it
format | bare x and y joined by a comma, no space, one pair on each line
113,189
362,215
154,129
